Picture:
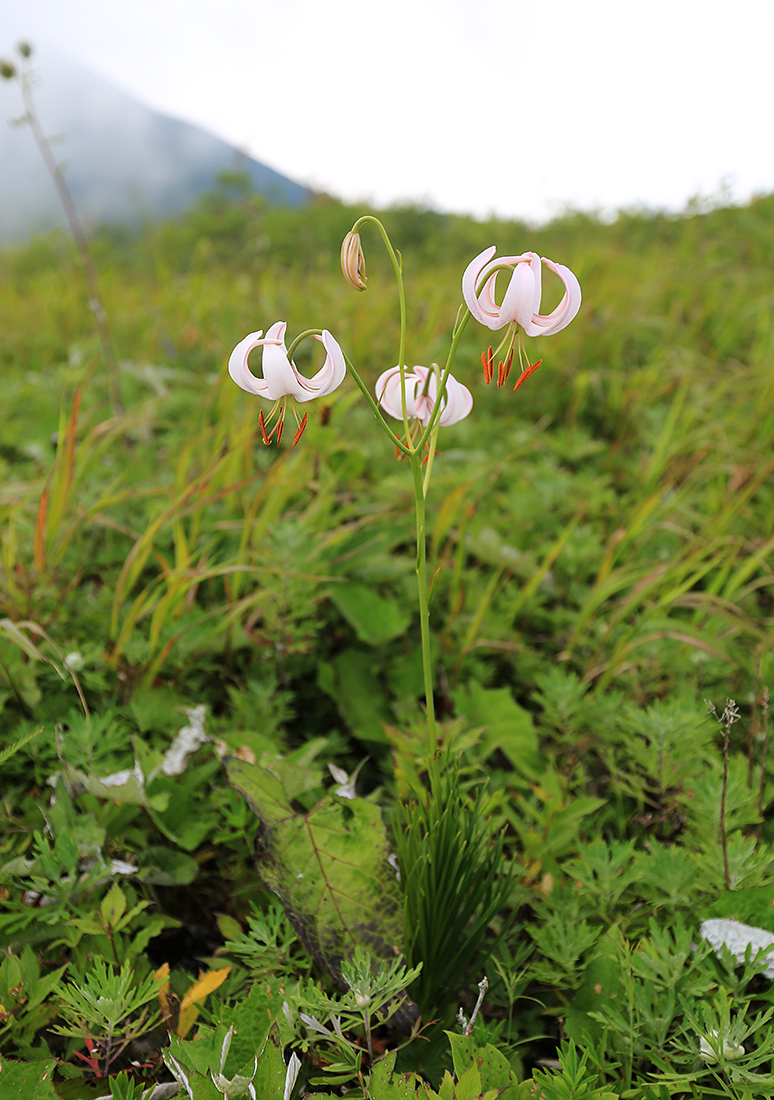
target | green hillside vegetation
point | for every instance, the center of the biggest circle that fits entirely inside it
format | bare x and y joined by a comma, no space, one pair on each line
600,548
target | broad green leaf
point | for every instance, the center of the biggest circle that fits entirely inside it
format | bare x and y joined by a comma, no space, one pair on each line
252,1019
269,1077
507,726
27,1080
495,1070
160,866
374,619
113,905
329,868
468,1087
199,1055
385,1084
352,680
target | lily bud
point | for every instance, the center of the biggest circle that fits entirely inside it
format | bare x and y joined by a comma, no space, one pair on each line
353,261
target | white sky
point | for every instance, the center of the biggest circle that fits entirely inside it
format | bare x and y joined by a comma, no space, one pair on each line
516,107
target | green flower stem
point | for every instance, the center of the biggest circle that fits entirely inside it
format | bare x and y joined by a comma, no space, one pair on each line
421,478
398,268
302,336
424,604
432,426
375,408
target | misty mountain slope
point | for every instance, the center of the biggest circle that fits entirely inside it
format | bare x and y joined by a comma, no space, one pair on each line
122,161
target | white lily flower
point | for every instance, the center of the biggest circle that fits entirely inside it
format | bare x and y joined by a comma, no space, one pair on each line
281,378
421,385
521,301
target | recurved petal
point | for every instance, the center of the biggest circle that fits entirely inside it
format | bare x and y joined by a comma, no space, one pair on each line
458,404
489,311
567,309
470,280
238,368
388,392
329,376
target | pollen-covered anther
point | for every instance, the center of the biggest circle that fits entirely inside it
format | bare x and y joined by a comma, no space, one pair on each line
262,426
487,362
526,373
300,431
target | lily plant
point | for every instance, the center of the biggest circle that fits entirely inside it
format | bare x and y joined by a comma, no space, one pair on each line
446,915
423,399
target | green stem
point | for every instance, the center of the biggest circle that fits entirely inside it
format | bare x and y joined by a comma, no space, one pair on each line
424,605
398,268
432,426
374,407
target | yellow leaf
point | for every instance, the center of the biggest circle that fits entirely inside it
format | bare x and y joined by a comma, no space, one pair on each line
165,1002
204,984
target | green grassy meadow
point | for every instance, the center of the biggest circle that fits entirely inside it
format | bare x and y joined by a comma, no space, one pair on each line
600,545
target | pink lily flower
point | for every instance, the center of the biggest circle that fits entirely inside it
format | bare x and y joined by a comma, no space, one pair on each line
521,302
421,396
282,379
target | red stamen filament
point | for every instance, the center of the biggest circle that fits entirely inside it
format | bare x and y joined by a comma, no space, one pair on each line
507,366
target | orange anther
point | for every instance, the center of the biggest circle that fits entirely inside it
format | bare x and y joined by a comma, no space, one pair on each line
262,426
487,362
525,374
300,431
